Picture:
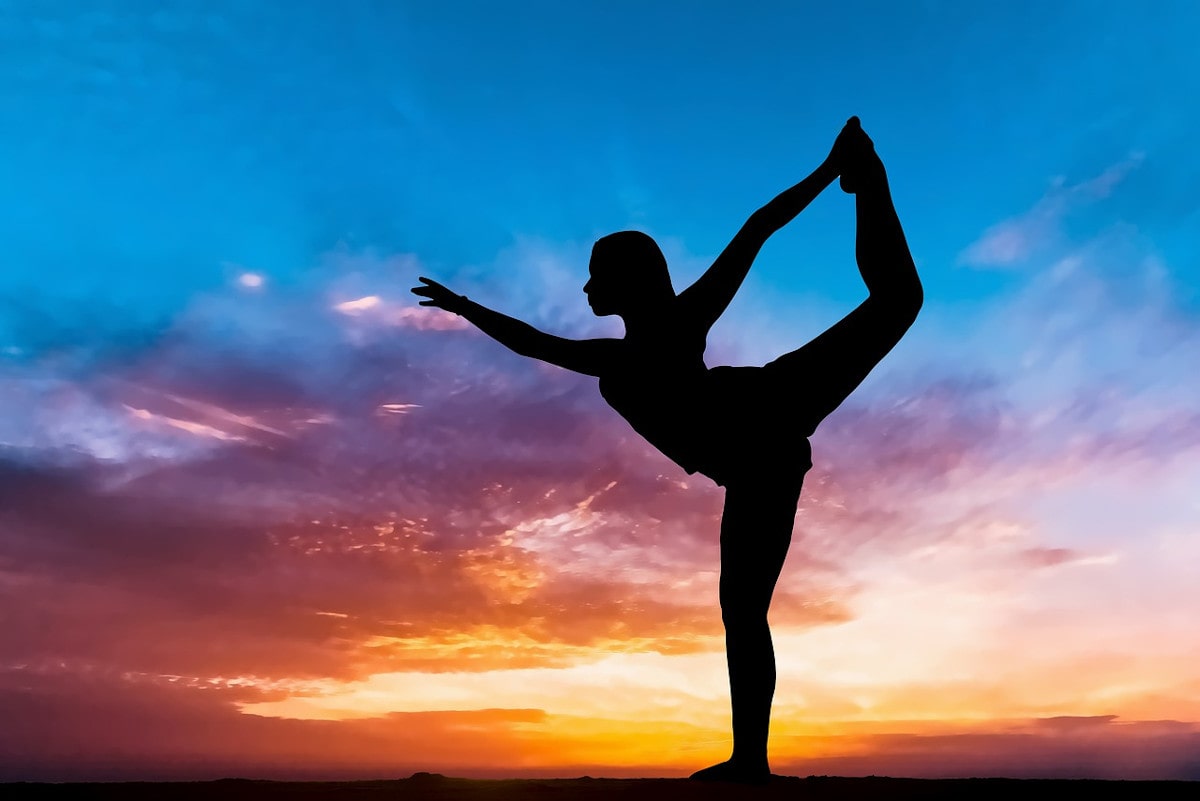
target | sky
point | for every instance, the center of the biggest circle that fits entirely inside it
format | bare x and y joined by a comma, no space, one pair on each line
262,515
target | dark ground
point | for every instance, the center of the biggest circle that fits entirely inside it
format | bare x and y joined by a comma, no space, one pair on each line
433,787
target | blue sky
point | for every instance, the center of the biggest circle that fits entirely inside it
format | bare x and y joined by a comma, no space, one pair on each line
214,380
145,144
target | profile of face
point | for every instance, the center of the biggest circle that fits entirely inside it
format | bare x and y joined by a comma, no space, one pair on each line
603,285
627,273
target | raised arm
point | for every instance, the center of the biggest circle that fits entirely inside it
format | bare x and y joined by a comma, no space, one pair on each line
707,299
588,356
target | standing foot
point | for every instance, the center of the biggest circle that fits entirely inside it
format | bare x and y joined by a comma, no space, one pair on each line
735,773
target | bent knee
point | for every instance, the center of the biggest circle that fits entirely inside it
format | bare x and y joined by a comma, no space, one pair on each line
895,311
912,299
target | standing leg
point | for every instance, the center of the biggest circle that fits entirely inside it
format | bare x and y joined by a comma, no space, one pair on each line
756,529
826,370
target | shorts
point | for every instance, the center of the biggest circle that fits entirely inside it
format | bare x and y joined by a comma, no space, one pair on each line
752,426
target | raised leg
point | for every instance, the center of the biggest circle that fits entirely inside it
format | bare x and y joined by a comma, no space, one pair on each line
826,370
756,529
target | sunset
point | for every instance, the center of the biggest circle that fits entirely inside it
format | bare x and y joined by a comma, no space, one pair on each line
263,515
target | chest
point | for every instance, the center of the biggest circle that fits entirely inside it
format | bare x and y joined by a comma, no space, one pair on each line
662,368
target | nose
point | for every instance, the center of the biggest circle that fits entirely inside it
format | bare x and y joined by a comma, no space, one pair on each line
587,287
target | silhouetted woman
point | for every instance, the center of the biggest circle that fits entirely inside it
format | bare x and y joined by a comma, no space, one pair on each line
747,428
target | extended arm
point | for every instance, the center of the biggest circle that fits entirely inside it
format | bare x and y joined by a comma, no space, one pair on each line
588,356
706,299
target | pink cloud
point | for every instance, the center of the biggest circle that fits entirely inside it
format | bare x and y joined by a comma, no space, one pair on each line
507,495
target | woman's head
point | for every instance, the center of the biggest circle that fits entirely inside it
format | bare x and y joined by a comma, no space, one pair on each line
628,272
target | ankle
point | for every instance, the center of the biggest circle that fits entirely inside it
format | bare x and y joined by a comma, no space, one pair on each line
754,764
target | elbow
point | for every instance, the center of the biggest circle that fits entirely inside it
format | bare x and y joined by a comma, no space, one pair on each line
765,222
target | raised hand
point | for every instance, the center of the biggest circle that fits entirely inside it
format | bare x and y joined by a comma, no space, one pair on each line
854,156
439,296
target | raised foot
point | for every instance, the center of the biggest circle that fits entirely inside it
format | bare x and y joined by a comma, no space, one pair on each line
733,773
858,164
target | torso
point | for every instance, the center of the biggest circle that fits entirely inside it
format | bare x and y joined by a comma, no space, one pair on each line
658,387
729,423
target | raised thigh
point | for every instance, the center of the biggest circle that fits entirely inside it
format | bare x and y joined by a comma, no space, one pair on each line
823,373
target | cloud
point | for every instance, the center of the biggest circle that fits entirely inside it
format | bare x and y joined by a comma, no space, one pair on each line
308,499
1097,748
1038,230
101,726
106,727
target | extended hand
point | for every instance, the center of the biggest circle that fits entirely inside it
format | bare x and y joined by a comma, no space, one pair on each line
439,296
